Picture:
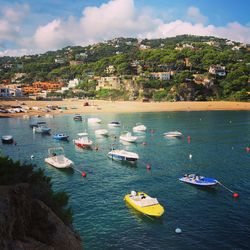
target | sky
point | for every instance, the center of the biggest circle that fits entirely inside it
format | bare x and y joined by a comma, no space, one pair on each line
32,26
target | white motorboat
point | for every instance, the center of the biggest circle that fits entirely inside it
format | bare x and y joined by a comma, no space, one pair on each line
123,155
101,132
7,139
83,142
94,120
139,128
128,137
114,124
42,129
198,180
57,159
175,134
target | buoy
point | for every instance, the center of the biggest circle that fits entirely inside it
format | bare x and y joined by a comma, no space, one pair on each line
189,138
144,143
84,174
32,157
148,166
235,195
190,156
178,230
247,149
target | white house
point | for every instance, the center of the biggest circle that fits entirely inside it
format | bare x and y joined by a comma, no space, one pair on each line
217,70
111,82
73,83
163,76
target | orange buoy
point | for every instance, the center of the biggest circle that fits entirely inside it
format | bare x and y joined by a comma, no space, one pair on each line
84,174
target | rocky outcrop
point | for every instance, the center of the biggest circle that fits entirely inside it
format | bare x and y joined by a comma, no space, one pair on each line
27,223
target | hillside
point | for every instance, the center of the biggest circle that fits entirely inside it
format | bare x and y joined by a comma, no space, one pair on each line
200,68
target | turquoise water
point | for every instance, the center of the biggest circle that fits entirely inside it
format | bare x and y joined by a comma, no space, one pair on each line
209,218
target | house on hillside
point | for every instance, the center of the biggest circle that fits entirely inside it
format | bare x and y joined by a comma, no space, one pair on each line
110,82
110,69
73,83
217,70
163,76
204,80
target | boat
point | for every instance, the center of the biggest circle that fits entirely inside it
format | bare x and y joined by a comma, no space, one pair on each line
198,180
57,159
83,142
101,132
62,137
35,123
173,134
94,120
114,124
77,118
83,134
42,129
123,155
128,137
139,128
7,139
145,204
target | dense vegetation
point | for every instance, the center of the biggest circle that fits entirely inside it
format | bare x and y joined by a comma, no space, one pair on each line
129,59
40,186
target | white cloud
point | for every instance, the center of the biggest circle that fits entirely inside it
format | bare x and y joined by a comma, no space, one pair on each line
116,18
195,15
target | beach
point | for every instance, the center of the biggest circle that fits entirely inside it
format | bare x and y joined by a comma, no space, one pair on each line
72,106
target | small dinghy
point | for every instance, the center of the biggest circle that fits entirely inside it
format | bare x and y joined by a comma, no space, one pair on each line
57,159
139,128
114,124
173,134
128,137
123,155
83,142
145,204
77,118
101,132
7,139
198,180
42,129
62,137
94,120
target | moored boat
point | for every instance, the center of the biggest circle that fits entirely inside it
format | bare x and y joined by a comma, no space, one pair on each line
128,137
145,204
114,124
173,134
139,128
123,155
94,120
198,180
77,118
62,137
7,139
57,159
101,132
83,142
42,129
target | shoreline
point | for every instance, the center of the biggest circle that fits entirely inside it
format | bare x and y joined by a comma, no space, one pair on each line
101,106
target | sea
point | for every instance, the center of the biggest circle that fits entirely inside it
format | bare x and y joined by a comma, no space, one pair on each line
209,218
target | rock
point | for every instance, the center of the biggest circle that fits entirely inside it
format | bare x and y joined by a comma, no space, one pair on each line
28,224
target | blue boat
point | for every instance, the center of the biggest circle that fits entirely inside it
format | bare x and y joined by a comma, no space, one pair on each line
62,137
122,155
198,180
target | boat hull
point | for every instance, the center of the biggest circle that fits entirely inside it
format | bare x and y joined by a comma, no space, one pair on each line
7,139
67,164
154,210
204,182
122,158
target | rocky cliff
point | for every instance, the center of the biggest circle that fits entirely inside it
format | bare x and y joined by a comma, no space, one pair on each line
27,223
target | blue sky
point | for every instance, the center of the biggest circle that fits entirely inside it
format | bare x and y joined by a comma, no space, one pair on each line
28,27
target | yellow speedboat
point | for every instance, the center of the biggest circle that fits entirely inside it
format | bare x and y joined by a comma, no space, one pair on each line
144,203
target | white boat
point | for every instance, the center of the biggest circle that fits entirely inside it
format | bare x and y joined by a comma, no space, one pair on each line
114,124
128,137
7,139
83,142
123,155
83,134
139,128
94,120
42,129
175,134
57,159
101,132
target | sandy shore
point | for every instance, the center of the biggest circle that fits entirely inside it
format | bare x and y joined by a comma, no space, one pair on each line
99,106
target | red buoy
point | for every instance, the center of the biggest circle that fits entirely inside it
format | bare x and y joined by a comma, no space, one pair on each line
189,138
84,174
148,167
247,149
235,195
